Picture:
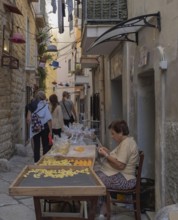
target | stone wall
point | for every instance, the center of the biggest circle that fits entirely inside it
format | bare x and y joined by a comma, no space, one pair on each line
166,92
13,81
171,161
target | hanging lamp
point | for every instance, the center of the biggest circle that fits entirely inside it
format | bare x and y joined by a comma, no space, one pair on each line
12,8
42,64
54,83
52,48
17,38
55,64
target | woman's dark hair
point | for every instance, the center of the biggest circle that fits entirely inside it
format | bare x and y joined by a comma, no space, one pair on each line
54,101
119,126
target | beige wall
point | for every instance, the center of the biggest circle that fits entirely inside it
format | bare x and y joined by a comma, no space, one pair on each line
166,91
156,128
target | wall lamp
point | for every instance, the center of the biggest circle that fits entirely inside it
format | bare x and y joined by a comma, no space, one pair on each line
163,62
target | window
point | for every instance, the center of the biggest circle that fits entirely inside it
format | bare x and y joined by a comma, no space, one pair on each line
5,44
69,66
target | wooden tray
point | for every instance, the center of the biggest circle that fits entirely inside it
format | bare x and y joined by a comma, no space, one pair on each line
80,184
66,161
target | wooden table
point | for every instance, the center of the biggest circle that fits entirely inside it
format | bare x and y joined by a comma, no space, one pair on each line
45,182
40,215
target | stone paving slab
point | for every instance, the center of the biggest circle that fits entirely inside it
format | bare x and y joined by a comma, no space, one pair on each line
17,212
7,200
27,202
4,186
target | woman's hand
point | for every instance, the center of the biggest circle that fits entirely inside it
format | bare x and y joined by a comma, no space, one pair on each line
103,151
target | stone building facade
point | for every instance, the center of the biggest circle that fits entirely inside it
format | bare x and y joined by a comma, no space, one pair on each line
154,92
137,88
15,80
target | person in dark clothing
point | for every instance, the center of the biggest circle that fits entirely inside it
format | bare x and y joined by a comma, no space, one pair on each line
40,107
67,109
32,106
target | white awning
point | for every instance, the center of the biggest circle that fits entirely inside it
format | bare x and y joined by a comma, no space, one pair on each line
121,31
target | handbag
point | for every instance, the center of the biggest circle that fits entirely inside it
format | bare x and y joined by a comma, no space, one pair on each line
70,116
72,119
36,121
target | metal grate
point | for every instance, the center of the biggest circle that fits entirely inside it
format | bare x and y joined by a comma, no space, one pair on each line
104,10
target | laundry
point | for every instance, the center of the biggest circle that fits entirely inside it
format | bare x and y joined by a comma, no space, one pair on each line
53,4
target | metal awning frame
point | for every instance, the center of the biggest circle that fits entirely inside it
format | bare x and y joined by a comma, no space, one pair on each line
121,31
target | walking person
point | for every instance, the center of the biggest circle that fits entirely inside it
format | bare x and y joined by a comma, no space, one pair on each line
29,108
40,120
68,109
57,115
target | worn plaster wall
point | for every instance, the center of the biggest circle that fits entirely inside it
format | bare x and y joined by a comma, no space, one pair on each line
171,151
166,92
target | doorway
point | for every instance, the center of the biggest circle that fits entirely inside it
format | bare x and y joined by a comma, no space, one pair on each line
116,99
27,128
146,121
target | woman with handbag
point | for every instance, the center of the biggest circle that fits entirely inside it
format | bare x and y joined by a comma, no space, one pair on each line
40,125
68,109
57,115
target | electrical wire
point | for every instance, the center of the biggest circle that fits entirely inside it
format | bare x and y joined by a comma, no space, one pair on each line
76,41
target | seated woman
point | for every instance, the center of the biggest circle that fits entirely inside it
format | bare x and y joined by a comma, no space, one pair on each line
118,169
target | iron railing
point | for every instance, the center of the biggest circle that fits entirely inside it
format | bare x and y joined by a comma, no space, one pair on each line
104,11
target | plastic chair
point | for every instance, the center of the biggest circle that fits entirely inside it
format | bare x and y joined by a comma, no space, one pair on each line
134,193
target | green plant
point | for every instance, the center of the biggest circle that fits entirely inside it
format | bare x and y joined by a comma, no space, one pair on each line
42,78
42,38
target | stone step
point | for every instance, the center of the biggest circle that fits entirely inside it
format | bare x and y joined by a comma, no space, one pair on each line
150,215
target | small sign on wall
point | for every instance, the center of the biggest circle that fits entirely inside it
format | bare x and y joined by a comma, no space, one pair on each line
10,61
143,56
117,65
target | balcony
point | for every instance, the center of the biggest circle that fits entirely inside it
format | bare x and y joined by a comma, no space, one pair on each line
80,80
89,61
40,14
98,16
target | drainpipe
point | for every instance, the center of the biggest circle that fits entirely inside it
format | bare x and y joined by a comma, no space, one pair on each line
102,98
126,88
163,83
23,115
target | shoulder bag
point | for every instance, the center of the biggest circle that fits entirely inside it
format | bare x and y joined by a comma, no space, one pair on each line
70,116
